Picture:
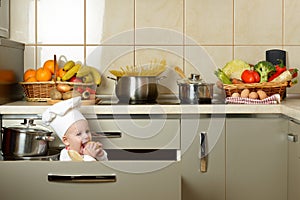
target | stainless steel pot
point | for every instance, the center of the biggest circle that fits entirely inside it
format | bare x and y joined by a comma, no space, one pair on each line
25,140
195,91
137,89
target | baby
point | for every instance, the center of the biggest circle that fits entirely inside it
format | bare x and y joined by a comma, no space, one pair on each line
73,130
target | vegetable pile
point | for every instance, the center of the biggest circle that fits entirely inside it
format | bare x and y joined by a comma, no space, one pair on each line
238,72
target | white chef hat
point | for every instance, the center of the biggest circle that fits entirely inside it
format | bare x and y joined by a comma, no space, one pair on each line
62,115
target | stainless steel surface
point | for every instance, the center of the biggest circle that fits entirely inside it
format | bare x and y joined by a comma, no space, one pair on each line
195,93
292,137
65,178
4,18
52,155
25,140
137,89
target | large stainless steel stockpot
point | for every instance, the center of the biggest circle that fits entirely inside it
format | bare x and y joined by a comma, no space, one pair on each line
25,140
137,89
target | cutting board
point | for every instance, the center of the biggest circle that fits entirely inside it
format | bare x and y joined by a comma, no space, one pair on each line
83,102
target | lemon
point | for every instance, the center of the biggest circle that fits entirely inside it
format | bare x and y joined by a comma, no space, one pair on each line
235,68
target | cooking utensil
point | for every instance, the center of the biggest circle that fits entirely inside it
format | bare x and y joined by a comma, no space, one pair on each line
195,91
180,72
74,155
137,89
25,140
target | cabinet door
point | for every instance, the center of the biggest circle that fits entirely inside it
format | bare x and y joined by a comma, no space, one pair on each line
294,162
122,180
198,185
256,158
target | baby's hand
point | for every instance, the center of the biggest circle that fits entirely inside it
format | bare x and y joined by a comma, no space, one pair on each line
93,149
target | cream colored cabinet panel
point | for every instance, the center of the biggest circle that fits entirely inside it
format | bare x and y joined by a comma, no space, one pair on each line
294,162
4,18
138,133
198,185
256,158
89,180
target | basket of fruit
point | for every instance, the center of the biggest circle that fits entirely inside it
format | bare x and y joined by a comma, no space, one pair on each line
256,82
52,83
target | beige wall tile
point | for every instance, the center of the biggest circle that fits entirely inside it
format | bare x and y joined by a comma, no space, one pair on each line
62,53
291,22
252,54
258,22
198,60
29,58
110,22
60,23
209,22
173,56
293,61
105,58
22,21
159,14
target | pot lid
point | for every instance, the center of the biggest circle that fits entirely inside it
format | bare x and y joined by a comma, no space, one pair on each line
194,79
29,127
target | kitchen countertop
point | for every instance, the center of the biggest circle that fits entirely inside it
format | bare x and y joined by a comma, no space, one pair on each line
289,107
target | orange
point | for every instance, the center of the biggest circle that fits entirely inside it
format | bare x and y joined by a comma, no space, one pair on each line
49,64
31,79
61,72
29,73
43,74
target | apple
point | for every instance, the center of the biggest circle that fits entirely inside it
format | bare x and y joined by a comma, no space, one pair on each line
75,79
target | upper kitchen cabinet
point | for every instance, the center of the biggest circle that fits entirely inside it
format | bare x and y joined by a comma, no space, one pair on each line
4,18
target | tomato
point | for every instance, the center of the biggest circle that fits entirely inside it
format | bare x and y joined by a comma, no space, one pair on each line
250,76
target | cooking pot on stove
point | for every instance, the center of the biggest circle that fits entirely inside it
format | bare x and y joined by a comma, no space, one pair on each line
26,139
194,90
137,89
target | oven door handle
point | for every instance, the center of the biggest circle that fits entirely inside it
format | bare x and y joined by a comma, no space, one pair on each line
108,134
64,178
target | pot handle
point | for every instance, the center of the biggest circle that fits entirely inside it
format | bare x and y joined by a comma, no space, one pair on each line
45,138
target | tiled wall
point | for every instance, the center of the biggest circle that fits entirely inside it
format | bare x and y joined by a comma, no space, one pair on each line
197,35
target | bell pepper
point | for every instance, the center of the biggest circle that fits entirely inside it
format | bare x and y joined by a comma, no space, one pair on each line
250,76
280,68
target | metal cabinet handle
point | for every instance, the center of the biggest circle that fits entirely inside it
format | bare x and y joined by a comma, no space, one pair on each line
108,134
203,152
81,178
292,137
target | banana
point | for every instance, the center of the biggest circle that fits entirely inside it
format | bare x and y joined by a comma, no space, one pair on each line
85,70
96,76
69,65
88,78
71,72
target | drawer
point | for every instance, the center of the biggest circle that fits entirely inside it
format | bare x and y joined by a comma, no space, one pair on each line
90,180
138,133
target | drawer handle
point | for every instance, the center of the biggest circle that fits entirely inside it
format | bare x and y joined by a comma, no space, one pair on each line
108,134
203,152
81,178
292,137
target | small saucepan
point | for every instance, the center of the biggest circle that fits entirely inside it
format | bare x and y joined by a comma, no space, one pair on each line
25,140
195,91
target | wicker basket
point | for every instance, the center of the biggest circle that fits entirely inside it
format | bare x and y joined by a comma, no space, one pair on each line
40,91
37,91
269,88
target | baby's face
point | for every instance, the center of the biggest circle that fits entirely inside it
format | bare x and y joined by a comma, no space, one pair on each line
78,135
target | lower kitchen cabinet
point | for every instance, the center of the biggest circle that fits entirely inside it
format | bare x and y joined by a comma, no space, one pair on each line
111,180
256,157
197,185
294,161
